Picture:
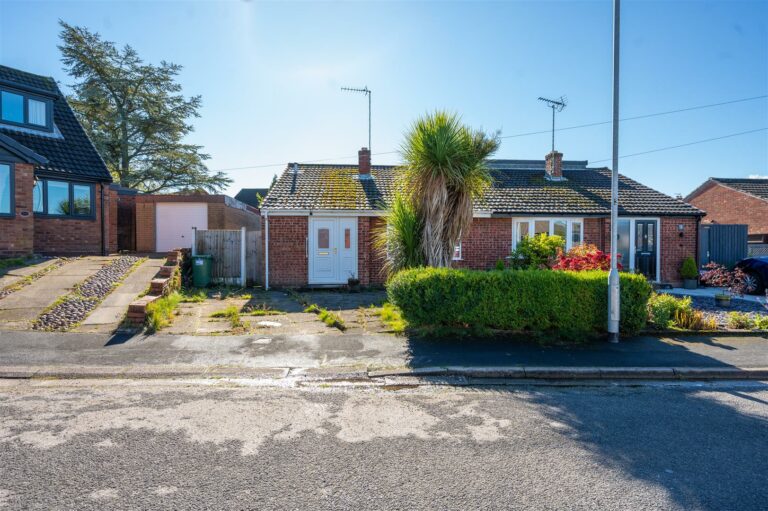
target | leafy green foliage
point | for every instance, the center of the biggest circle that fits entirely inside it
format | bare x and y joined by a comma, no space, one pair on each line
392,318
536,252
232,313
445,171
662,308
569,304
688,270
135,115
193,295
500,266
740,321
160,312
761,322
398,241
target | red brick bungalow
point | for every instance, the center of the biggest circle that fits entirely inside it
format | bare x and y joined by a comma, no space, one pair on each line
318,219
735,201
52,180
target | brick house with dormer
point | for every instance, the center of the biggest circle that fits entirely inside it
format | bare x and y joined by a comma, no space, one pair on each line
53,183
318,220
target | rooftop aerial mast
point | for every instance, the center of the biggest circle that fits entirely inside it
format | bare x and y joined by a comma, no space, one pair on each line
556,105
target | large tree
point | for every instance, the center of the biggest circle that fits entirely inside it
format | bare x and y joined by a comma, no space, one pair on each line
445,171
136,115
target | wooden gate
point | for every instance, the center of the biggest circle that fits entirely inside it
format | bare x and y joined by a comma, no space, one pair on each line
225,247
722,244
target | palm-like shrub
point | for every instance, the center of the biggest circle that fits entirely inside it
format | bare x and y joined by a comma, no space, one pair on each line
399,239
445,172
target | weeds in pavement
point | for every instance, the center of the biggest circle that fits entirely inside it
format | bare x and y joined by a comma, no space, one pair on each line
232,313
329,318
391,317
193,295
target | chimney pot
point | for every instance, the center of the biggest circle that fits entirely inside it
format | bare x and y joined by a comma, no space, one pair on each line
364,161
554,165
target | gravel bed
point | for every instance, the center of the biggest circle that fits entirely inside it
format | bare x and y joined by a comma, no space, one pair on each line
76,306
707,305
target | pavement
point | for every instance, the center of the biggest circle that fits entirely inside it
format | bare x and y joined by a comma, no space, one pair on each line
37,354
16,274
101,445
108,315
19,309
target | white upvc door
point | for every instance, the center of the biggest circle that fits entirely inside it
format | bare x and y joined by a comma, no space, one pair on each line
332,250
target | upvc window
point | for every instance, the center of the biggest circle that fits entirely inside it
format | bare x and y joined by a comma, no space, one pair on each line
6,189
457,252
570,229
17,107
63,198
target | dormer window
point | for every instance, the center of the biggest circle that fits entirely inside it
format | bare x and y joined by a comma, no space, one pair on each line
24,109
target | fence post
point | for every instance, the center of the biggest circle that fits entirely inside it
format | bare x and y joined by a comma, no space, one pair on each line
243,273
194,241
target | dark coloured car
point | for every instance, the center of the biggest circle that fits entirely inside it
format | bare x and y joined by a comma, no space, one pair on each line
756,269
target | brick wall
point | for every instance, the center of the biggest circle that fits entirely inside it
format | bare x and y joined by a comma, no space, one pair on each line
488,240
69,236
17,233
676,245
288,265
594,232
727,206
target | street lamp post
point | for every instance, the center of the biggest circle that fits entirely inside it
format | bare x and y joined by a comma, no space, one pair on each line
614,297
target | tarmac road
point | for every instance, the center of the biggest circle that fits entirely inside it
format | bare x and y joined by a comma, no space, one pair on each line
214,445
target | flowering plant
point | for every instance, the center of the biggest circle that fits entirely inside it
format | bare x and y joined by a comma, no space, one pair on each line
719,276
583,258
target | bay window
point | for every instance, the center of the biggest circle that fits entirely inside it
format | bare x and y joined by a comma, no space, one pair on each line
570,229
52,197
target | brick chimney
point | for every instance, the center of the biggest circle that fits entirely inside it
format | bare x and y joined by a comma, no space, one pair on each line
364,165
554,165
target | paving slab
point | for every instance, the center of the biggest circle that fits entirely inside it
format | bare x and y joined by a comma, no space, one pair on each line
110,313
18,310
15,275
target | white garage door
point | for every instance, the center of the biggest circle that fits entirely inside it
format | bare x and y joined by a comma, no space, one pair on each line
175,221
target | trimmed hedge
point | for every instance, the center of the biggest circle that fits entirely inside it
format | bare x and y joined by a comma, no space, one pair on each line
570,304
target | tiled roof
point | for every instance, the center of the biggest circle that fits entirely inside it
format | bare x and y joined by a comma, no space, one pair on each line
519,187
248,195
756,187
68,149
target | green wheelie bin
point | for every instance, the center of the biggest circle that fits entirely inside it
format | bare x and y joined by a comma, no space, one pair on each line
201,270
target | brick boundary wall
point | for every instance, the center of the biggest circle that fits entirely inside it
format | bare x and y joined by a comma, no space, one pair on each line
17,232
728,206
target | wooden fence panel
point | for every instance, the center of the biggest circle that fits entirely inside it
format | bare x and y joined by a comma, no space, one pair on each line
224,247
253,256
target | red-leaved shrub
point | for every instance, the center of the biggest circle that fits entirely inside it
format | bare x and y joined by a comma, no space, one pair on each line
584,258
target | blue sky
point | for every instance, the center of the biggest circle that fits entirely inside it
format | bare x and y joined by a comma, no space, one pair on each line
270,72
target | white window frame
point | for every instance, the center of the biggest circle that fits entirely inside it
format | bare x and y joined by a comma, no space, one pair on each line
569,221
457,255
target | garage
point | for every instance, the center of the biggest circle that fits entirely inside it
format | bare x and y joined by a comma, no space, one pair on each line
175,223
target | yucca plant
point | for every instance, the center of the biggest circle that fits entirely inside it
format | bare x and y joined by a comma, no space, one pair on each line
445,171
398,241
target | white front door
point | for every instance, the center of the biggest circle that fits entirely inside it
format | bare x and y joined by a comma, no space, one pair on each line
332,250
174,223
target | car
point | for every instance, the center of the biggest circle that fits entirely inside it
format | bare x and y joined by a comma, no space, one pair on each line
756,270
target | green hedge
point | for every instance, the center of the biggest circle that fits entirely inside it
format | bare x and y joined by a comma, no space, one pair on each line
570,304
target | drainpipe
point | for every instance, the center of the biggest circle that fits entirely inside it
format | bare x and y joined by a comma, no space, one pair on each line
266,249
103,246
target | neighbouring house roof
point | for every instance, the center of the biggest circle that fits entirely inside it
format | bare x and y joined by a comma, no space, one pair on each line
751,186
519,188
68,152
248,195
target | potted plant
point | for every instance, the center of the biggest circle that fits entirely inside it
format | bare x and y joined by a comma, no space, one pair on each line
731,282
690,273
353,283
